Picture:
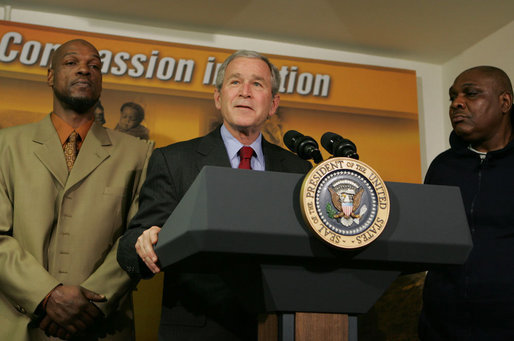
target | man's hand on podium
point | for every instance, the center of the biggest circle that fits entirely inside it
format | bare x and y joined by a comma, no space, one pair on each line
145,248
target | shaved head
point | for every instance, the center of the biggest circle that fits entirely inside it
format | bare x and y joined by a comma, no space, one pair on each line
502,81
60,52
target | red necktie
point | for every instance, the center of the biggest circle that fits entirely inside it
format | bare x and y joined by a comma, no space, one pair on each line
245,156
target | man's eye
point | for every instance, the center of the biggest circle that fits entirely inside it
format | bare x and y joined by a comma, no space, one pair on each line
234,82
94,66
257,84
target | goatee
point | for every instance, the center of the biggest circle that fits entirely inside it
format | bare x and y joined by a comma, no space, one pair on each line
78,104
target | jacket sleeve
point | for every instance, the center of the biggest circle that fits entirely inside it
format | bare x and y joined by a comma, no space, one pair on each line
159,197
23,280
109,278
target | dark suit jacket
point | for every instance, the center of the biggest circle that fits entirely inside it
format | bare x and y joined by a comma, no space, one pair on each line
193,300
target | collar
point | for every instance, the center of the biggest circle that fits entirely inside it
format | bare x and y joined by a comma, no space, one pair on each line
64,129
462,147
232,145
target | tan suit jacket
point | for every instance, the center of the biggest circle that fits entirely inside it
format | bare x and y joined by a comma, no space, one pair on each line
59,228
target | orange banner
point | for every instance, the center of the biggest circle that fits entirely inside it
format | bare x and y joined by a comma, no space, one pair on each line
186,70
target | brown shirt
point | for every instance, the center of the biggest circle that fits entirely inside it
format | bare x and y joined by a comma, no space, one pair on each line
64,130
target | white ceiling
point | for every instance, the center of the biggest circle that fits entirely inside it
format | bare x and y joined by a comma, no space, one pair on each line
431,31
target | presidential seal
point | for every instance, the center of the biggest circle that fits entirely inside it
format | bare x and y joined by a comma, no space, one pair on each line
345,202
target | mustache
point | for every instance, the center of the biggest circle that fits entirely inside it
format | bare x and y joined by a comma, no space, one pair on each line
81,80
457,112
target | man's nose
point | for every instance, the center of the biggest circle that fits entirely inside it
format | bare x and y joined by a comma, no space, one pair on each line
83,69
458,102
246,90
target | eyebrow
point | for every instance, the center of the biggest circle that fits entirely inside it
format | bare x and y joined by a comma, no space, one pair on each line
452,88
76,53
470,84
255,77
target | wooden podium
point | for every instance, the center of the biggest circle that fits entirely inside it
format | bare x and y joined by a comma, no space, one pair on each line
251,223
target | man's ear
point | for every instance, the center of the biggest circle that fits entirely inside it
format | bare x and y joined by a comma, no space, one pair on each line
50,77
217,99
506,101
274,105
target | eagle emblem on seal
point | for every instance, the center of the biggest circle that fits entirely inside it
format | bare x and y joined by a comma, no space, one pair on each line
346,199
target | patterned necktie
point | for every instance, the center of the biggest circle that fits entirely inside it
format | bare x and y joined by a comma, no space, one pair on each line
245,156
70,149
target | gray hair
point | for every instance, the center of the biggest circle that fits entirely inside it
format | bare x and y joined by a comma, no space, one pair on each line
275,75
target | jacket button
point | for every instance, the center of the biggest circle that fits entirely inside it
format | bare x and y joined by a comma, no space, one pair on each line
20,309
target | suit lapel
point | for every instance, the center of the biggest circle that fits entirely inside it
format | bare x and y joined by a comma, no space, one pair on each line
273,160
212,151
49,151
93,152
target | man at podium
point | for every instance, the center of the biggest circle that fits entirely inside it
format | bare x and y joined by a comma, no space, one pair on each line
201,306
475,301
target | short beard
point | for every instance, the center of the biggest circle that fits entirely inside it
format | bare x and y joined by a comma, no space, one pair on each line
78,104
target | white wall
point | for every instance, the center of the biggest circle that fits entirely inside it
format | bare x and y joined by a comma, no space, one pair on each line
431,107
495,50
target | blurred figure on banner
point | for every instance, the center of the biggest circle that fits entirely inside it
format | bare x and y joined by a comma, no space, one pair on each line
198,306
68,187
99,113
475,301
131,116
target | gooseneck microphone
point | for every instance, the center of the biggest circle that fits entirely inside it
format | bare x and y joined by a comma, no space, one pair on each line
338,146
304,146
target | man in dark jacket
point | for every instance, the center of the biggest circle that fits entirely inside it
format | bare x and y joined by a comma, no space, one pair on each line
475,301
201,306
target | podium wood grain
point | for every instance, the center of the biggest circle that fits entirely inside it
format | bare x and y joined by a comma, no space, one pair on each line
308,327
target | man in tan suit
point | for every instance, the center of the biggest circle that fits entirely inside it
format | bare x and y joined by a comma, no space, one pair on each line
68,187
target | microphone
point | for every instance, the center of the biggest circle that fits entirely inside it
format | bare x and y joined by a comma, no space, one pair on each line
304,146
338,146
